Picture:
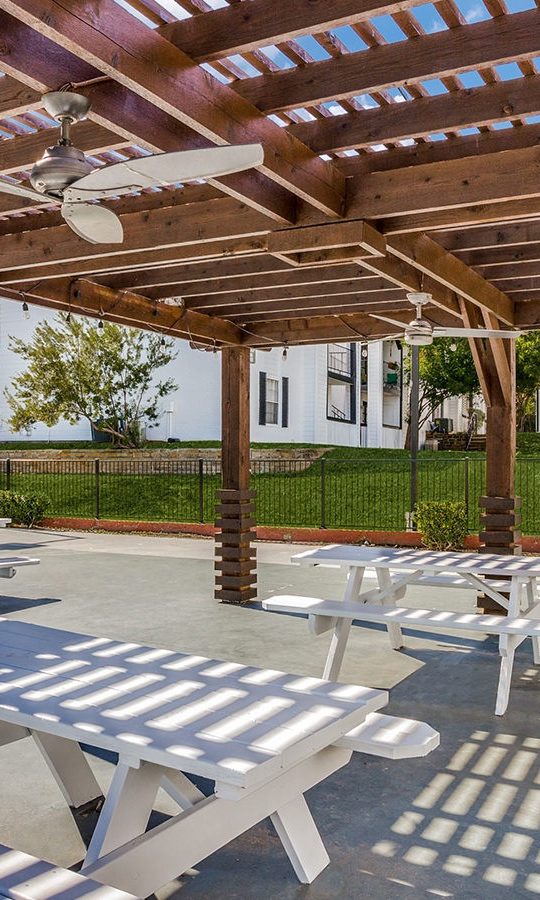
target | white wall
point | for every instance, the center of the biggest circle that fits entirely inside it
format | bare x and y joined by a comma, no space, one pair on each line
193,411
13,323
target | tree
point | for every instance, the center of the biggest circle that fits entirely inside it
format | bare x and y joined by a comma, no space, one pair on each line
102,373
447,370
527,375
444,373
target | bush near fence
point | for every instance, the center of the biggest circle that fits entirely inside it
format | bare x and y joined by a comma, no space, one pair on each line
372,493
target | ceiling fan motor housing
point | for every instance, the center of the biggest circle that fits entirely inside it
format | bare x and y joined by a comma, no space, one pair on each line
59,167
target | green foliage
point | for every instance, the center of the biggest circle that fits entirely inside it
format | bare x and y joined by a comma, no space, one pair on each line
24,509
443,524
76,370
527,375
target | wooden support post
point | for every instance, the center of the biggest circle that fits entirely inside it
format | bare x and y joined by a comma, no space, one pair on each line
235,564
500,518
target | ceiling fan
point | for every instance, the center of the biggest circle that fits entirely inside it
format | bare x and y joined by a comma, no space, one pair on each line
421,333
64,175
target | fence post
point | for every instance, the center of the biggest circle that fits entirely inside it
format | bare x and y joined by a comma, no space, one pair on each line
8,474
323,492
201,491
97,487
466,478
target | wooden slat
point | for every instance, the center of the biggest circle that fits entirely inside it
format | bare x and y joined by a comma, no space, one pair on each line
494,103
241,28
436,55
113,42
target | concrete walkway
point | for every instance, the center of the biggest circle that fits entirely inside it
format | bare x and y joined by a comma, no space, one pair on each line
462,823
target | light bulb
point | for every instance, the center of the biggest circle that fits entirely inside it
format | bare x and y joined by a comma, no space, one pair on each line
100,326
453,347
284,354
25,310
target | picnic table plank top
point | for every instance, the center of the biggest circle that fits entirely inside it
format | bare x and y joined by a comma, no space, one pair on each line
223,720
6,562
419,559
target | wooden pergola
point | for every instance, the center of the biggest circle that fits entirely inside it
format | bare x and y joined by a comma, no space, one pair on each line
385,172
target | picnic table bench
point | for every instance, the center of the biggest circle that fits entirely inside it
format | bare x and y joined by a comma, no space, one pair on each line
10,564
264,737
509,580
25,877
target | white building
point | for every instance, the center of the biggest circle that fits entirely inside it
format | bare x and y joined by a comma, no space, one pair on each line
346,394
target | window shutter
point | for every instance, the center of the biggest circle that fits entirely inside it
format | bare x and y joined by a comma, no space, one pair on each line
262,398
285,402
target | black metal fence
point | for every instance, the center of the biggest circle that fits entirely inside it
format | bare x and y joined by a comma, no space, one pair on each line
371,493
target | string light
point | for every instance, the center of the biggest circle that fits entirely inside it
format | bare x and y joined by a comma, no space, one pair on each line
285,352
100,326
26,310
453,347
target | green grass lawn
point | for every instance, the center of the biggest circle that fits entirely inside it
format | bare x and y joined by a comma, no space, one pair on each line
349,488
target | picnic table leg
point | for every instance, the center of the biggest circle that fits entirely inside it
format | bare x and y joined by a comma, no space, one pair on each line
342,627
126,810
70,770
535,613
301,840
394,631
507,649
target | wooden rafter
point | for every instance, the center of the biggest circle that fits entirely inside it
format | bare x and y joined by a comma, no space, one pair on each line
113,43
429,56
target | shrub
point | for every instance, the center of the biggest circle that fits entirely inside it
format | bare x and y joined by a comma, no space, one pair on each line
443,524
24,509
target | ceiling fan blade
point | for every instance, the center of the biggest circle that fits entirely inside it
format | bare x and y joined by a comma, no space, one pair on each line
29,193
95,224
475,332
164,169
401,325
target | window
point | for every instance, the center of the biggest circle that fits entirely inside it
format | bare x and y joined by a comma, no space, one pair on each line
272,401
341,383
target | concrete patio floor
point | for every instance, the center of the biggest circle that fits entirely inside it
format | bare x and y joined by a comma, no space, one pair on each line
463,823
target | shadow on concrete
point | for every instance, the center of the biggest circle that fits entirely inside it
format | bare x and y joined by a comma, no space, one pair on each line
16,604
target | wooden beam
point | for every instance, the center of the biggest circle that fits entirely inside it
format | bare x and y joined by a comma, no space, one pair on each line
511,234
428,56
16,98
453,184
36,61
167,227
409,278
194,253
332,300
21,153
495,102
509,256
98,301
296,244
243,28
223,276
421,154
235,575
113,42
498,212
319,307
265,288
323,329
528,314
501,273
355,288
430,258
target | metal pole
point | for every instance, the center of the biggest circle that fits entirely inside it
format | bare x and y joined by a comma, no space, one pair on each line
8,474
201,491
97,498
323,493
414,414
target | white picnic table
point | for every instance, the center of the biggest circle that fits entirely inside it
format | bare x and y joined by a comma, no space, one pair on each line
510,580
264,737
10,564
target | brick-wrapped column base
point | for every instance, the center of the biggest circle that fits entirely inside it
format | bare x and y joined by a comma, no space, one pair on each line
236,575
499,533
